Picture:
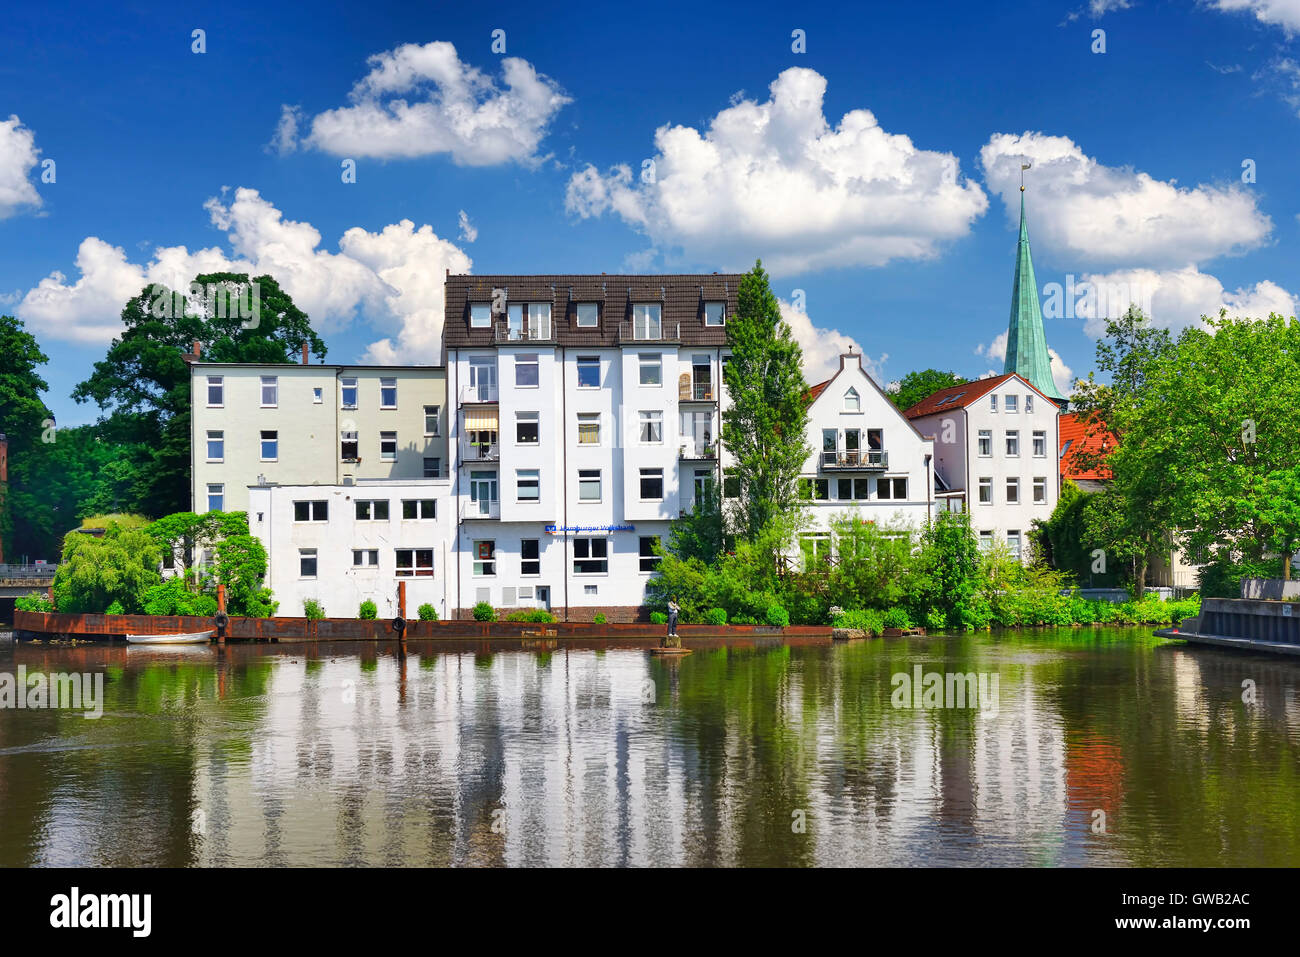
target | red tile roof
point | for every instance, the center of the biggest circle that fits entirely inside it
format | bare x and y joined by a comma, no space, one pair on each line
960,396
817,390
1076,435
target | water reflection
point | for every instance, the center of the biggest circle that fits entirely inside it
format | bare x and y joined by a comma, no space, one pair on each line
749,755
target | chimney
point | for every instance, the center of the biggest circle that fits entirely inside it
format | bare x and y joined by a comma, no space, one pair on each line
306,352
855,356
198,348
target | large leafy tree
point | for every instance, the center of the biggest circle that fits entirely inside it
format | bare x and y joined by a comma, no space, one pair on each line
142,385
23,420
95,573
764,428
915,386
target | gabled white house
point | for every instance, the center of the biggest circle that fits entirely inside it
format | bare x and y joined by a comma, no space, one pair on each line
995,445
867,459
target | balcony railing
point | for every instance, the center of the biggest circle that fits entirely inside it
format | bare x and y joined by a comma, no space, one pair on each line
472,394
471,510
859,459
698,450
28,571
505,333
698,392
480,452
667,332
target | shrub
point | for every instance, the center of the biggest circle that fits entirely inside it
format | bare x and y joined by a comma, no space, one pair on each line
868,620
715,616
897,618
427,612
600,619
935,620
36,601
114,609
658,618
540,616
744,620
367,611
520,615
173,598
312,609
776,615
484,612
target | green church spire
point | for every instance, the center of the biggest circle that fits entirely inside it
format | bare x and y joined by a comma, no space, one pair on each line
1026,341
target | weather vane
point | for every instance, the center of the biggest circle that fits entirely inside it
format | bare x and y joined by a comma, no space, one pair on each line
1023,167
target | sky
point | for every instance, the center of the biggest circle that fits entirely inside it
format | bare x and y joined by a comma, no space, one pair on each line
869,154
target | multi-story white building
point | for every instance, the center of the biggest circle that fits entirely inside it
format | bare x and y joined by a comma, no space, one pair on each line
995,453
586,419
868,459
311,424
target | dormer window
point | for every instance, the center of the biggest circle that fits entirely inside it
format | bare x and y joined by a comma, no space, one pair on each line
588,315
647,320
715,313
852,401
480,315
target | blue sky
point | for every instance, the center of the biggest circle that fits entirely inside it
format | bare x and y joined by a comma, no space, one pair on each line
872,171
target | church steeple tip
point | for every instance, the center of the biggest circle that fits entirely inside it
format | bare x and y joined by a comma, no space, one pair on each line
1027,354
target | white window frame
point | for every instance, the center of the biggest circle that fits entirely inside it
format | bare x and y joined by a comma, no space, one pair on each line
1040,485
645,317
219,437
652,474
529,359
219,494
261,445
346,383
650,418
384,456
273,383
523,417
534,478
313,518
581,362
219,382
588,542
588,418
656,362
303,555
388,384
481,567
1040,436
1013,482
593,311
721,311
984,435
592,475
365,553
436,417
1013,436
480,315
856,405
982,483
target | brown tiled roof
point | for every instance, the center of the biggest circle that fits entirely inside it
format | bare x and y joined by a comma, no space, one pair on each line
934,402
682,296
815,391
1078,435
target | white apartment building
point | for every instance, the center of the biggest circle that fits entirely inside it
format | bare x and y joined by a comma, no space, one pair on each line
868,459
586,419
995,454
253,424
343,544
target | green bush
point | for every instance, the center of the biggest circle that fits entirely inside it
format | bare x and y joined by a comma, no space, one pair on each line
36,601
868,620
427,612
173,598
368,611
658,618
114,609
484,612
715,616
776,615
312,609
935,620
744,620
897,617
540,616
600,619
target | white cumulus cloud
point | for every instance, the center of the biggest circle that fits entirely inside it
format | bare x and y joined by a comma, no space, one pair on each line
776,179
468,231
394,276
997,349
1105,215
422,99
822,348
1179,297
1282,13
18,155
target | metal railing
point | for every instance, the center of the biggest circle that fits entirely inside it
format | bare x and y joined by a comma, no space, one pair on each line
668,332
698,392
479,452
698,450
471,394
480,509
27,571
505,333
856,459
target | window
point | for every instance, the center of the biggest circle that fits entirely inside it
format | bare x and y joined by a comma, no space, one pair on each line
986,442
433,467
589,589
730,484
816,548
588,315
527,430
1029,404
1013,542
590,556
316,511
715,313
589,485
649,560
216,390
895,488
414,562
861,488
530,562
216,497
647,321
485,557
852,401
986,540
306,563
388,446
526,374
589,428
1013,443
1040,490
986,491
419,508
993,403
374,510
270,391
528,485
844,489
270,445
588,372
529,320
652,368
388,393
1013,491
480,315
349,389
317,396
432,417
816,489
652,427
216,445
348,446
652,485
1040,444
1011,402
365,557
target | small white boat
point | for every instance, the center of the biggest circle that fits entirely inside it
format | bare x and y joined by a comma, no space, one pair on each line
184,638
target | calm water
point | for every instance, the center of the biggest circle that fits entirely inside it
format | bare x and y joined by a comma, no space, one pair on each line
745,755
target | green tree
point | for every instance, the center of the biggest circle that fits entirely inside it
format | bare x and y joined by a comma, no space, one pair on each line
764,427
23,419
241,567
952,560
95,572
699,533
915,386
142,386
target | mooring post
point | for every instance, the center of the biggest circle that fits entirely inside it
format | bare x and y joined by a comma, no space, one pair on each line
222,619
399,625
401,599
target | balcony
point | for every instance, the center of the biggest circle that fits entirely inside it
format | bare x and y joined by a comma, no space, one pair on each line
480,452
698,451
503,333
666,332
481,510
479,395
858,460
697,392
